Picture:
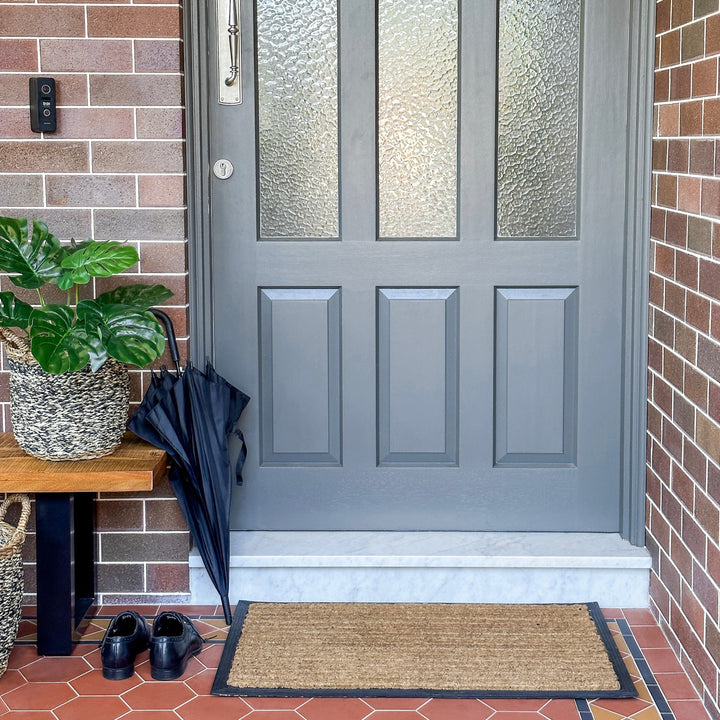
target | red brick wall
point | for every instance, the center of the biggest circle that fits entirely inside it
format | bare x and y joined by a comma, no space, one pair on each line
683,472
113,170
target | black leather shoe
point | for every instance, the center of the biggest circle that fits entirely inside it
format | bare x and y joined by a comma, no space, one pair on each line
174,640
127,635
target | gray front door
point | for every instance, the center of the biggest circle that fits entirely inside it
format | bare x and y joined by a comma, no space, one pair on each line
418,262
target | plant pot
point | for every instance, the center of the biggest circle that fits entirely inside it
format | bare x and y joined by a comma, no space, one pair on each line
74,416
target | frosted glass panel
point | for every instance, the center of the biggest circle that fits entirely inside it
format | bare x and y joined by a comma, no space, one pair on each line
538,92
298,118
417,117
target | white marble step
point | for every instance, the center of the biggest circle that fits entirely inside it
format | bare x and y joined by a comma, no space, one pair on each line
431,567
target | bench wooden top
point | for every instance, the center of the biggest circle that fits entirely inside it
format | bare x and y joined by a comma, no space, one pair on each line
134,466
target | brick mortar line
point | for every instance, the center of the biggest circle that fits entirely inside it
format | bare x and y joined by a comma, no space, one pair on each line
682,391
682,459
684,651
712,299
710,218
692,439
708,537
681,173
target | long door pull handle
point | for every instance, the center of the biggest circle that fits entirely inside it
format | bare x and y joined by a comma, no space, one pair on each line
234,42
229,85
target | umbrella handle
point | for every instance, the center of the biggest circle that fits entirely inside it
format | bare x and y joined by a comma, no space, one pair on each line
170,332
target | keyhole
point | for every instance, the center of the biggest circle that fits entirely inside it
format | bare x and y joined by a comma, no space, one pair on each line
223,169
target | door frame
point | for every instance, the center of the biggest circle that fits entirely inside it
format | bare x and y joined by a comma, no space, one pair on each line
198,31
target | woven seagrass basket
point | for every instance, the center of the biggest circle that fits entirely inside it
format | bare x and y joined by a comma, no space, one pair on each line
12,583
74,416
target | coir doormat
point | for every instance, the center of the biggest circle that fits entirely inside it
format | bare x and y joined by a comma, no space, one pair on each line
421,650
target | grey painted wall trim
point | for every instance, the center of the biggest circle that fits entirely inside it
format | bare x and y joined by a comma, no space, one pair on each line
639,167
197,18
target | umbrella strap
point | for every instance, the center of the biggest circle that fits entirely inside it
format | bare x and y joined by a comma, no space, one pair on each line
241,457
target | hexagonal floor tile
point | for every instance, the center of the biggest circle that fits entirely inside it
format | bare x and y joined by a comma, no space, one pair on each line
56,669
158,695
97,708
39,696
333,708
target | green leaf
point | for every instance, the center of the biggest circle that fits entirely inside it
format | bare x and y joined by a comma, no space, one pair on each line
14,312
57,342
129,334
140,296
31,260
99,258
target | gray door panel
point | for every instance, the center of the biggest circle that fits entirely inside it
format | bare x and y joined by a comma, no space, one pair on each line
468,383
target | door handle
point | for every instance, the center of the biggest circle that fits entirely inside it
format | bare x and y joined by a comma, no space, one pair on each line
229,75
234,42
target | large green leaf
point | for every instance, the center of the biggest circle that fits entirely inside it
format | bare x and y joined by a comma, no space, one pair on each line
99,258
139,296
58,343
129,334
31,260
14,312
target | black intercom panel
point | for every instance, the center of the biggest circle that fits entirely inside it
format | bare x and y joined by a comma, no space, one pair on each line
43,113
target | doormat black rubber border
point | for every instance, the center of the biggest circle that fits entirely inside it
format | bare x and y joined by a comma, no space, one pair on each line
222,687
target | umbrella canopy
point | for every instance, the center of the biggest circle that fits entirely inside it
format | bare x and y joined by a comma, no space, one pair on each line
191,415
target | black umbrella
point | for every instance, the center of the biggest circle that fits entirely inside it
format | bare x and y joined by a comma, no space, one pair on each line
191,415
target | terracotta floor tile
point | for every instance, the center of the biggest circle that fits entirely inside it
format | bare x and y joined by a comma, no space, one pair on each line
158,695
93,683
277,715
611,613
150,715
621,707
639,616
56,669
22,655
39,696
333,708
650,637
395,703
688,709
662,660
210,655
265,703
517,715
515,705
94,658
391,715
602,714
10,680
216,708
560,710
650,713
676,686
447,709
201,683
30,715
97,708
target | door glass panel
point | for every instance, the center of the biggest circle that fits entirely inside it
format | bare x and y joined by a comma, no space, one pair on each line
538,93
297,66
417,117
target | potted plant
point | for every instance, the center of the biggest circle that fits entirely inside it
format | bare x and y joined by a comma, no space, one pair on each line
69,385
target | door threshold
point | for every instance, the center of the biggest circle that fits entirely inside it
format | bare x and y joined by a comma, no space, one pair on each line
509,567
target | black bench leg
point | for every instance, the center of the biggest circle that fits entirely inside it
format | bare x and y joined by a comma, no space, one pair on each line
65,567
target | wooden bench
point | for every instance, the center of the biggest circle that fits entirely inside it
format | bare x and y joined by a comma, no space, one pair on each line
65,524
